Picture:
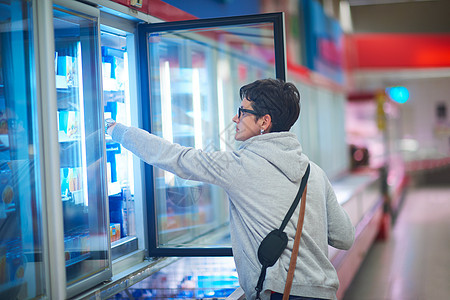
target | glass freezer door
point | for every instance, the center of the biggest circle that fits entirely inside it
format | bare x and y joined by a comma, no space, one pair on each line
22,258
81,141
191,72
120,176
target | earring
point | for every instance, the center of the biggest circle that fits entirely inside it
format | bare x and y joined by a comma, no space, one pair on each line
261,131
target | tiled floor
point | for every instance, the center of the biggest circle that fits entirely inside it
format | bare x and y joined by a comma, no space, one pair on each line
414,264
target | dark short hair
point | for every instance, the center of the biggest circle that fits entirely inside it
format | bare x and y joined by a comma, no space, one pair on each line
279,99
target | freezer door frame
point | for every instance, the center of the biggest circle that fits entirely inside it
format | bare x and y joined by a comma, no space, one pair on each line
277,19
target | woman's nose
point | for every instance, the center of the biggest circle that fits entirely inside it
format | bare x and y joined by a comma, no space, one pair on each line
235,118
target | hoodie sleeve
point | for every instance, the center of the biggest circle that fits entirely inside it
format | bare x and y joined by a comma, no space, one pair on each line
189,163
341,232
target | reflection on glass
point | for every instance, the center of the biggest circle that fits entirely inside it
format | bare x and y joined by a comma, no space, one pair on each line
189,278
195,77
80,139
21,272
119,160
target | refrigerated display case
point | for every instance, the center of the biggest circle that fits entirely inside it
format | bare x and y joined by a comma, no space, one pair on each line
86,82
81,141
191,72
22,273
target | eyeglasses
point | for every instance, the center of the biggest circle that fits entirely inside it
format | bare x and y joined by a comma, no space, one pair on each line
243,110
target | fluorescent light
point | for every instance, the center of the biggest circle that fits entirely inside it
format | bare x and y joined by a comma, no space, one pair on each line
221,112
166,112
198,133
166,102
81,125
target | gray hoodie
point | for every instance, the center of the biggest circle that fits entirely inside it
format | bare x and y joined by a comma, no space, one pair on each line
261,179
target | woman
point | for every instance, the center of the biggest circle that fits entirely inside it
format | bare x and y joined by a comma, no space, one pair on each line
261,179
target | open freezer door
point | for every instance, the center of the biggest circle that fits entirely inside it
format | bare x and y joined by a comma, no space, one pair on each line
190,75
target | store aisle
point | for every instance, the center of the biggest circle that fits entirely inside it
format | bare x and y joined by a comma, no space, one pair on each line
414,264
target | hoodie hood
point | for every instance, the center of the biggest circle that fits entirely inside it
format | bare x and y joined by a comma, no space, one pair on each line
283,150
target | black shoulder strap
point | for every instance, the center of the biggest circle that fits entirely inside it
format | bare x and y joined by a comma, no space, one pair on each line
297,199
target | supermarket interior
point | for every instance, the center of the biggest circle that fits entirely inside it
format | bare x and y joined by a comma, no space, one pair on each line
81,217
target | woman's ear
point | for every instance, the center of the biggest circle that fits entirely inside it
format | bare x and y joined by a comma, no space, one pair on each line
266,123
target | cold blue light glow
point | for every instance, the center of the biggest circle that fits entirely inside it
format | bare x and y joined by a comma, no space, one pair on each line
398,94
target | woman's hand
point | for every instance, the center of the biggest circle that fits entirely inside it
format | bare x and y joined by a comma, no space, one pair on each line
109,125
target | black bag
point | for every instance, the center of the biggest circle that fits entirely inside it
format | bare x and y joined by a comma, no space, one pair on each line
271,247
276,241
